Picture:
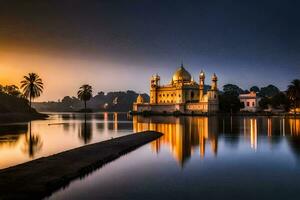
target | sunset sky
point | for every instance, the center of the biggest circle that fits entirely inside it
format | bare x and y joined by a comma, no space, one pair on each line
118,45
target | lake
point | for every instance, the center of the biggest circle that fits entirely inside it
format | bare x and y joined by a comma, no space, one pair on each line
22,142
197,157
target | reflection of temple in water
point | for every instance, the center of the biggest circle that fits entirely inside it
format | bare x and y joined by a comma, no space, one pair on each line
185,134
182,134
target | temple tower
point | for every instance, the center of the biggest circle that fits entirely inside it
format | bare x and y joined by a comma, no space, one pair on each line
214,80
201,85
154,84
213,97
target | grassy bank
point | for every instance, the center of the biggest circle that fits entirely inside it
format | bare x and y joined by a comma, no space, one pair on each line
39,178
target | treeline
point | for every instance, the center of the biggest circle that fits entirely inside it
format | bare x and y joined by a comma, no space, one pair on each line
12,100
111,101
270,97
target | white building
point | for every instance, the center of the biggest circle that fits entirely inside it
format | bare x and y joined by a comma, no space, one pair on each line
250,101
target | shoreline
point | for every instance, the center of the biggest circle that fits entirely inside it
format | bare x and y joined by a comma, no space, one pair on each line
41,177
21,117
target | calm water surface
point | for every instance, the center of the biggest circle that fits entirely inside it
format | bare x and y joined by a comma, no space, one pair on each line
197,157
21,142
200,157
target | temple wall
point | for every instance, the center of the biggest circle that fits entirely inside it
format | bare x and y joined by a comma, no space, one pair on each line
199,107
158,107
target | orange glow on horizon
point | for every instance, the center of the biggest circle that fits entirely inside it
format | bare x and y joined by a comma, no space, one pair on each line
63,74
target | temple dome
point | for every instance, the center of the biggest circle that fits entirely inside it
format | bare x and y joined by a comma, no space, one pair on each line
181,75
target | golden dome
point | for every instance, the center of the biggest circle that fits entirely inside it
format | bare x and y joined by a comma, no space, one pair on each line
202,75
140,99
181,75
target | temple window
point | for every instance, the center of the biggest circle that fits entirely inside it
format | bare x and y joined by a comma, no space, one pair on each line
192,95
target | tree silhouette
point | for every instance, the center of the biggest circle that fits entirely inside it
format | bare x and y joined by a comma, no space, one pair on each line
85,93
32,86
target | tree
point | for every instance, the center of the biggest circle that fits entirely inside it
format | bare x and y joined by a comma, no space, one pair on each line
280,100
229,103
32,86
254,89
269,91
12,90
264,102
85,93
293,93
232,89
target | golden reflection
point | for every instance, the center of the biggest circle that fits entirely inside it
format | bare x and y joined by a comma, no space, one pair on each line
253,133
181,135
269,127
115,121
250,131
294,126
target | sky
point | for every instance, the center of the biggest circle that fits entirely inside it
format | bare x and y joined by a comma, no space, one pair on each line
117,45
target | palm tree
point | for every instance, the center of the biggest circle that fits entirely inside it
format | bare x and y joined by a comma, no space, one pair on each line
85,93
293,93
32,86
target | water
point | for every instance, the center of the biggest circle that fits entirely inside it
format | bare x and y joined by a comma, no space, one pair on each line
197,157
22,142
200,157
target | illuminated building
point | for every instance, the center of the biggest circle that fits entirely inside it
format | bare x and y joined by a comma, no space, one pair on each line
181,94
250,101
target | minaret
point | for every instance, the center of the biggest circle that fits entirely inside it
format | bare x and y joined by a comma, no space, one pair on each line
155,82
214,80
201,85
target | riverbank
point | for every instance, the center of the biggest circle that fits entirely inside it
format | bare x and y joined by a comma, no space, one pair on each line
39,178
20,117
